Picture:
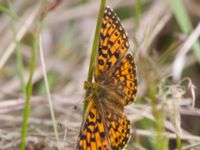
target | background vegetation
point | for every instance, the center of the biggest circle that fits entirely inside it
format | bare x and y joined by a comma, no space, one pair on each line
45,50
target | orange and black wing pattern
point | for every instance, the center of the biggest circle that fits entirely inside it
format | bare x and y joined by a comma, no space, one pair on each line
93,132
113,43
105,125
118,127
122,81
103,130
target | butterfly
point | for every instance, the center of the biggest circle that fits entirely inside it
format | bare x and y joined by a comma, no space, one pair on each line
105,125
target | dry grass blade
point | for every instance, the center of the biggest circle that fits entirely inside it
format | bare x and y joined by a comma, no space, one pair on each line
22,31
181,56
166,116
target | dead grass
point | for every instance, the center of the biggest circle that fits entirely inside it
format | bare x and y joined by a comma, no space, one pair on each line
67,34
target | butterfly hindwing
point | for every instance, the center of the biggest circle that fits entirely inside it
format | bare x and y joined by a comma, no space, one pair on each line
118,127
123,80
93,133
105,130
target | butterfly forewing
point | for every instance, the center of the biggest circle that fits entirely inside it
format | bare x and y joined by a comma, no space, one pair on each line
113,43
122,81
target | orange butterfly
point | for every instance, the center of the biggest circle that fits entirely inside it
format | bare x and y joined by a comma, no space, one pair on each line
105,125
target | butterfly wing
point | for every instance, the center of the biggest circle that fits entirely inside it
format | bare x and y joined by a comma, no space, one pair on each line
93,132
105,125
113,44
103,129
122,82
118,126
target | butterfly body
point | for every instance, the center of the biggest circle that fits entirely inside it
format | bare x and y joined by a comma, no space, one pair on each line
105,125
97,89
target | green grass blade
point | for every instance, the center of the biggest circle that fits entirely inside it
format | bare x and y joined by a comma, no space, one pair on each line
95,45
181,15
7,11
184,22
178,142
137,13
20,66
96,40
29,92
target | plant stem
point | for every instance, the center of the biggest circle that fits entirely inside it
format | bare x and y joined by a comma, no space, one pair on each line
95,46
178,142
28,92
